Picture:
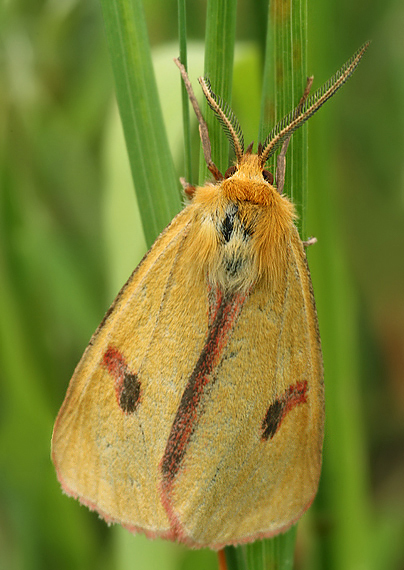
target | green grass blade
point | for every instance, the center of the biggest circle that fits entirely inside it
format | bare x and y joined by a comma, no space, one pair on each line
285,73
344,492
182,33
219,56
271,554
152,168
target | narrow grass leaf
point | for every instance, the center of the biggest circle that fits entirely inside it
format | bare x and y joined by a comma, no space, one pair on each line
285,73
219,57
182,35
156,185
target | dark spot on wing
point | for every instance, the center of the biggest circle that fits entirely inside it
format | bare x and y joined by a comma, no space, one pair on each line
272,419
127,384
129,396
277,411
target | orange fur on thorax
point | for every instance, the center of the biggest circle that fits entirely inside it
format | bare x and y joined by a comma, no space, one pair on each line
268,215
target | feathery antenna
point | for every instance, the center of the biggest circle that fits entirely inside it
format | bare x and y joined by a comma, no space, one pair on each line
298,116
227,118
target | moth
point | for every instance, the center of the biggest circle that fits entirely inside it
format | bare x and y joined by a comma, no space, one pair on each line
196,412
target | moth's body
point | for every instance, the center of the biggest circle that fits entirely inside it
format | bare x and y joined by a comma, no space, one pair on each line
240,228
165,428
196,413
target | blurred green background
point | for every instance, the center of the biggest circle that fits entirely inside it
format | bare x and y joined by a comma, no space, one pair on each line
70,234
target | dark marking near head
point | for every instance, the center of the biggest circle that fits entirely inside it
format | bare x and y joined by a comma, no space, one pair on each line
277,411
227,225
232,225
127,384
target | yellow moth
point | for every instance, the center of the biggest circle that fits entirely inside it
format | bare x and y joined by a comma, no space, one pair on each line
196,412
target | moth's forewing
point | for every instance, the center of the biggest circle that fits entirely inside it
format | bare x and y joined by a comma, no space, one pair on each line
106,456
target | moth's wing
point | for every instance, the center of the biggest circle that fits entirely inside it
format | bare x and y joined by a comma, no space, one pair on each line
250,486
112,429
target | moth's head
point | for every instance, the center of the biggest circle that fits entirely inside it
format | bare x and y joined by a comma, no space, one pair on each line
249,168
247,181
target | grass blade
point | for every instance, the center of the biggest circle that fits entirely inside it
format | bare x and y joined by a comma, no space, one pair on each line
344,492
219,56
182,33
157,189
285,73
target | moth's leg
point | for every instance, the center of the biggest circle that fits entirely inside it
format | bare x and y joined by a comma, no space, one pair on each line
189,189
310,241
281,160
